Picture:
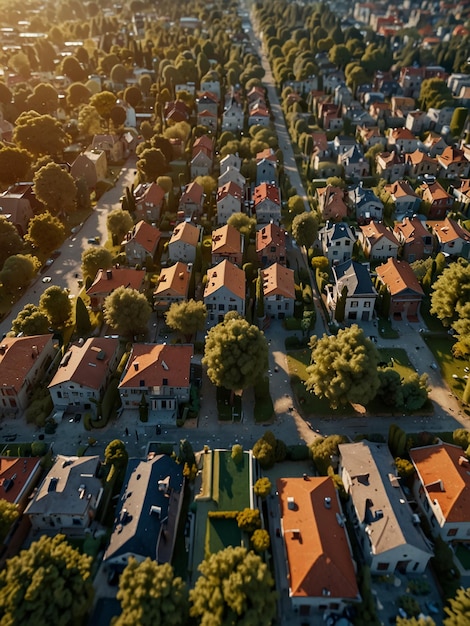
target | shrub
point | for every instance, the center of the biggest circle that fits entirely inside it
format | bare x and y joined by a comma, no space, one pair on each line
87,421
405,468
419,587
260,540
248,520
223,514
461,438
292,343
38,448
237,453
298,452
262,487
409,604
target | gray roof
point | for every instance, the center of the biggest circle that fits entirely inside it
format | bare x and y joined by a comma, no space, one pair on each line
378,498
355,276
338,230
147,515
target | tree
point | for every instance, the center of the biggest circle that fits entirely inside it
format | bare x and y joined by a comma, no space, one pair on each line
389,390
55,188
186,453
14,165
77,94
82,317
458,610
8,514
235,587
249,520
152,164
127,311
119,223
18,271
72,68
30,321
89,121
264,450
339,55
344,367
450,301
44,99
323,449
150,593
45,231
94,259
103,102
39,134
414,392
243,223
415,621
10,241
305,229
49,564
262,487
116,454
187,317
237,453
235,354
457,124
56,305
260,540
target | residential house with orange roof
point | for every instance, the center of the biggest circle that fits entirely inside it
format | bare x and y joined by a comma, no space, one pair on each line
278,291
183,242
331,203
231,175
438,200
405,291
258,114
192,200
83,374
267,203
442,489
434,144
453,163
271,245
320,144
385,524
23,363
18,477
225,291
402,140
91,166
390,166
402,104
406,200
462,194
257,92
370,136
172,286
149,201
229,199
419,163
161,373
378,242
337,241
321,572
227,243
141,243
69,496
202,156
106,281
416,242
452,239
352,296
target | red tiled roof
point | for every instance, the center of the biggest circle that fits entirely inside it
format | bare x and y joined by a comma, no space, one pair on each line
15,358
152,363
399,277
15,472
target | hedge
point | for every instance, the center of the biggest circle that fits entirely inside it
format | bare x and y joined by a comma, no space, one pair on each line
223,514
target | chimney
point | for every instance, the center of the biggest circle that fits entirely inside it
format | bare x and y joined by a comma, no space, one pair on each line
136,366
109,274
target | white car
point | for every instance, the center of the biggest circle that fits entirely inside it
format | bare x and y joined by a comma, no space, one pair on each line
46,279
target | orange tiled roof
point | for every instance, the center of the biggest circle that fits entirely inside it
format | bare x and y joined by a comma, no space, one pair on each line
450,230
278,281
152,363
267,153
445,479
411,229
451,155
435,191
145,235
15,472
374,231
228,275
417,157
401,133
185,232
15,358
229,189
318,554
270,235
266,191
193,193
226,239
107,281
400,189
398,276
173,280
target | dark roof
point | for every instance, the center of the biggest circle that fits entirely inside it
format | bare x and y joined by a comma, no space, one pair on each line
355,276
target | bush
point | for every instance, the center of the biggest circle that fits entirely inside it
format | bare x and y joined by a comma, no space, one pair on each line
223,514
409,604
405,468
419,587
291,323
237,453
38,448
87,421
260,540
292,343
461,438
248,520
262,487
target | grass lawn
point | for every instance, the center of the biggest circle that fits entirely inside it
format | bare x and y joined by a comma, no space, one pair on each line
441,347
228,412
233,481
386,331
221,533
401,362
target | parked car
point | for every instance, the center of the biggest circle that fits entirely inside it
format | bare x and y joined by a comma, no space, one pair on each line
94,241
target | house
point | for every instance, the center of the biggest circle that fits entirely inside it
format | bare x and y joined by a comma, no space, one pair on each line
229,201
141,243
416,121
370,136
208,120
410,81
148,512
231,160
267,203
320,566
438,118
462,194
83,375
258,114
278,291
231,175
23,363
69,496
233,117
438,200
434,144
442,489
224,291
453,240
271,245
407,202
207,101
172,286
227,243
18,477
366,204
354,164
17,205
266,171
453,163
419,163
176,111
183,242
106,281
90,166
343,143
378,242
353,287
416,242
159,375
149,202
111,145
202,156
192,200
402,140
331,203
390,166
405,291
385,525
337,241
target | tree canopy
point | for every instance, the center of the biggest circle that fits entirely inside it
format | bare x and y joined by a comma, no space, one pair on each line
55,188
18,271
119,223
458,611
344,367
14,165
305,229
10,241
95,258
45,231
127,311
451,292
8,514
235,354
30,321
186,317
116,453
39,134
56,305
243,223
235,587
50,583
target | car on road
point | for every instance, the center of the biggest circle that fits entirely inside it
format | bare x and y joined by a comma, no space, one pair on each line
47,279
55,254
94,241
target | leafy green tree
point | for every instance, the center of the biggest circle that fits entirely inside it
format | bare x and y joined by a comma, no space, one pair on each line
152,164
72,68
235,587
262,487
414,392
187,317
45,231
344,367
451,292
127,311
461,437
49,564
82,317
235,354
264,450
116,454
243,223
103,102
18,271
458,611
56,305
30,321
39,134
186,453
457,124
15,164
55,188
94,259
339,55
44,99
8,514
390,386
119,223
415,621
237,453
249,520
77,94
89,121
150,593
260,540
323,449
405,469
305,229
10,241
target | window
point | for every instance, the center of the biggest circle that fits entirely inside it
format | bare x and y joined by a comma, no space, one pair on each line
338,243
354,304
452,532
221,307
383,566
367,305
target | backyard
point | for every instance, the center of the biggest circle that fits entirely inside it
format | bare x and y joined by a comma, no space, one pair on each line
454,371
